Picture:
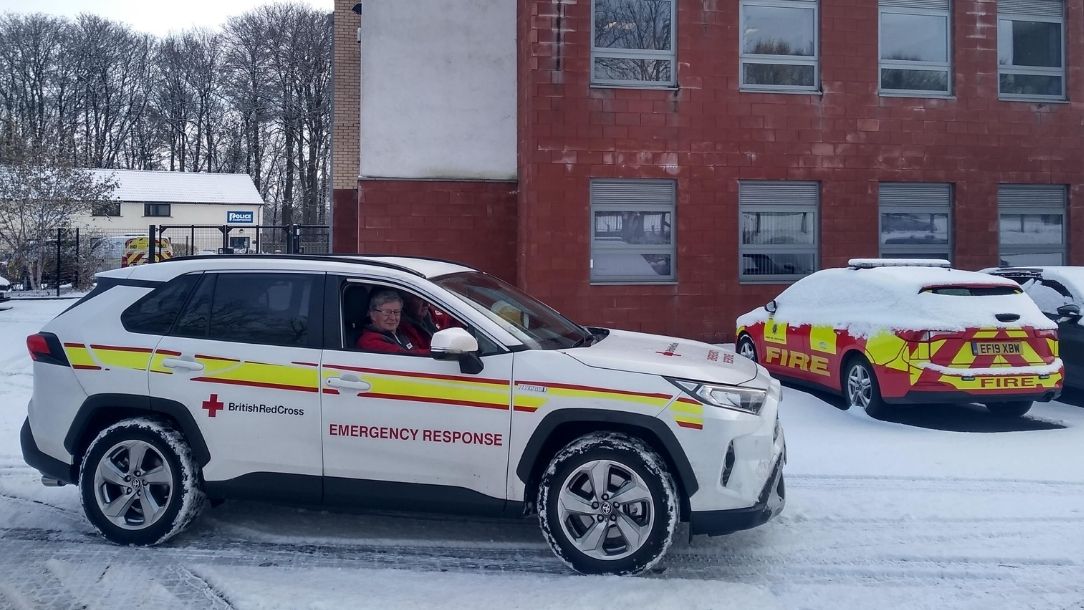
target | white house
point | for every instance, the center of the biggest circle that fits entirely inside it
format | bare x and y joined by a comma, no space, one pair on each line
177,199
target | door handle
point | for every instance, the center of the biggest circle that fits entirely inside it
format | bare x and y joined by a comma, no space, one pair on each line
182,363
348,383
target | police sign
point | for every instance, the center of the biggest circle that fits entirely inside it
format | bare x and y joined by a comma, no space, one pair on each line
240,217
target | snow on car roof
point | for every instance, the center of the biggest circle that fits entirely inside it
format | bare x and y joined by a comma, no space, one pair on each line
865,301
1071,277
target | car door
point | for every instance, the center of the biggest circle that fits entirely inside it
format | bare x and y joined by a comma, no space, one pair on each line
242,357
410,431
1049,295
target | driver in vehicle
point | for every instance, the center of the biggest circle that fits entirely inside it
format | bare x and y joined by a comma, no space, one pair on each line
417,324
383,334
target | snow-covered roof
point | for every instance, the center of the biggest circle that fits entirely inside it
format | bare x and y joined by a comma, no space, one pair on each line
181,187
1071,277
865,301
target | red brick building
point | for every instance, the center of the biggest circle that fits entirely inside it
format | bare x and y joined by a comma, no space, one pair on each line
677,163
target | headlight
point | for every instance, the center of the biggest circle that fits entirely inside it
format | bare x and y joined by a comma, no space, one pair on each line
746,400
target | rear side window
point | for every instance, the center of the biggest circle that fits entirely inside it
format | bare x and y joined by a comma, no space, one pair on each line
261,308
973,291
155,312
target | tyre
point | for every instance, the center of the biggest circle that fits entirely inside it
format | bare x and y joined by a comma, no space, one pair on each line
607,504
860,387
747,348
1009,409
139,483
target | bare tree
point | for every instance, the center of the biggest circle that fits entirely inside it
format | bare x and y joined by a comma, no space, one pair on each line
38,195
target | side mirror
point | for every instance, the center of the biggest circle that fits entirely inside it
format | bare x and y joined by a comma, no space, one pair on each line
1069,311
457,344
771,306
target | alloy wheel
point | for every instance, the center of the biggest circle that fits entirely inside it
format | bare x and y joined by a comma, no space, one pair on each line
133,484
606,510
859,387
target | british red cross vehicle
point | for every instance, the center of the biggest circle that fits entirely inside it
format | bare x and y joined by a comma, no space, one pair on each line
883,332
251,377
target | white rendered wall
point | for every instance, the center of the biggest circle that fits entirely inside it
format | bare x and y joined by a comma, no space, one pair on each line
438,89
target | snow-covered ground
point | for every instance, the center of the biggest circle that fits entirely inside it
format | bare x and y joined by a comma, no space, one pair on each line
945,508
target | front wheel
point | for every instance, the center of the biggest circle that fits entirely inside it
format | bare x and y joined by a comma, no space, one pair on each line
860,388
608,505
747,348
1009,409
139,483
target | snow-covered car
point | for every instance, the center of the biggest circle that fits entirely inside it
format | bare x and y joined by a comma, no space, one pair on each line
1059,293
898,331
5,289
229,377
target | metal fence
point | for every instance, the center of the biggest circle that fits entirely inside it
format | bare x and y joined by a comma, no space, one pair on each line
73,257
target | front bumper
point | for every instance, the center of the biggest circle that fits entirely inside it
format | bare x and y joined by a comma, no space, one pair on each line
770,503
46,465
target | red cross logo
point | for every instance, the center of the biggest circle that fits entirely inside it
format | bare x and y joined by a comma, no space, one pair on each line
671,351
213,405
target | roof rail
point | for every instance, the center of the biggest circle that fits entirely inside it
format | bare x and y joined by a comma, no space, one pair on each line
332,258
873,263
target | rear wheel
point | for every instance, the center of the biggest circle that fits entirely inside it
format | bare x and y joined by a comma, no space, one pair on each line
139,483
747,348
1009,409
608,505
860,388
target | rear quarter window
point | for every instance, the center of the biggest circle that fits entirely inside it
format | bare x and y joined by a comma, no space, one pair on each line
155,312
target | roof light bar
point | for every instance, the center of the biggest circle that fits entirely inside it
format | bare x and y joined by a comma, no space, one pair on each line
873,263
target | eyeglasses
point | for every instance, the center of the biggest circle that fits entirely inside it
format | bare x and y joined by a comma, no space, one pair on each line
391,313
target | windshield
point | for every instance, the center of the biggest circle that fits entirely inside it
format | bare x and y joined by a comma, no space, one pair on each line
532,322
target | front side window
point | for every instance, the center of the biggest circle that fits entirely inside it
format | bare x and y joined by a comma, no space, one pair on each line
779,45
155,313
259,308
915,220
156,209
1031,222
535,324
1031,49
633,43
779,230
915,45
632,231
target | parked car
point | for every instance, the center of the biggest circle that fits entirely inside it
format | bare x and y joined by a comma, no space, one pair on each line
238,376
1059,293
5,289
892,331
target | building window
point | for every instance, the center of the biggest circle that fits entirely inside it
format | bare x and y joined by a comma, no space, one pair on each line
915,41
156,209
779,45
915,220
1031,220
633,43
106,208
779,230
1031,49
632,231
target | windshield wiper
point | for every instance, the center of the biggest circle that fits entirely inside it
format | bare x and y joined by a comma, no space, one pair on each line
586,341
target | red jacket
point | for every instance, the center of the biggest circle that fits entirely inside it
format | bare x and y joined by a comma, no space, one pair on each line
414,335
373,340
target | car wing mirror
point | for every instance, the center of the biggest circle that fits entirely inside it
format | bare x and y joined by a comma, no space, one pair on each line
457,344
1069,311
771,306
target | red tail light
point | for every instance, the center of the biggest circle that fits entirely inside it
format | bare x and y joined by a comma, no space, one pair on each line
1046,334
45,347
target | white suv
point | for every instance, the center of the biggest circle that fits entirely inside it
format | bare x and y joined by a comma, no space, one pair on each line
228,377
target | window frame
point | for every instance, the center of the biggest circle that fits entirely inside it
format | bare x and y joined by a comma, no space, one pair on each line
646,54
607,247
793,60
1012,69
787,206
149,207
1038,208
916,207
926,66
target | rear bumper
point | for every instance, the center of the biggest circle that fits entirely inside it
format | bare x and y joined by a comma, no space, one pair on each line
940,397
771,502
46,465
